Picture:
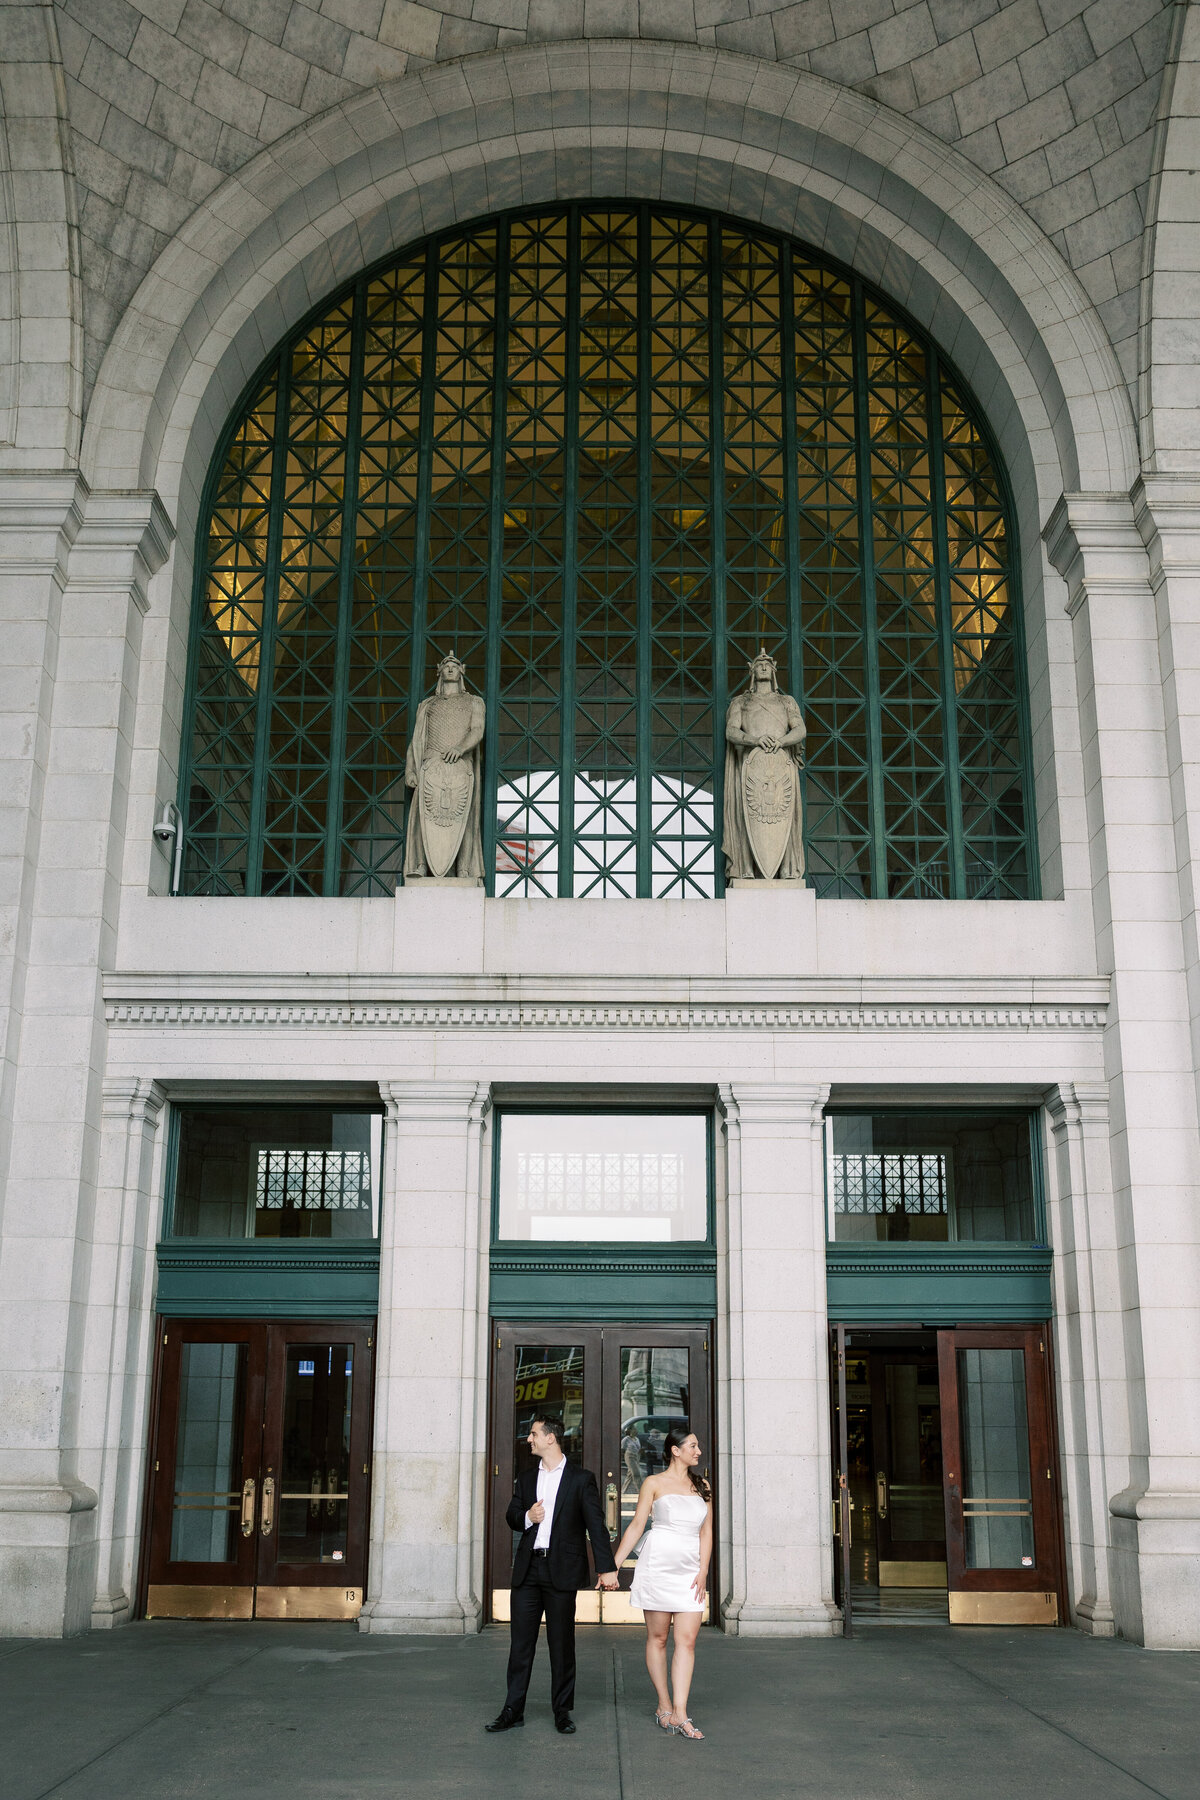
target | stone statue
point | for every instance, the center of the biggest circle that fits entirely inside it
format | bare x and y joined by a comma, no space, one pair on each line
442,767
764,816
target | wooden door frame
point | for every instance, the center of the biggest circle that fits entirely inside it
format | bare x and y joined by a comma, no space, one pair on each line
574,1331
1035,1342
205,1329
252,1334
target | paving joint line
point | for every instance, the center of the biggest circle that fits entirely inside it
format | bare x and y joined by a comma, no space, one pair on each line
1100,1756
624,1762
200,1688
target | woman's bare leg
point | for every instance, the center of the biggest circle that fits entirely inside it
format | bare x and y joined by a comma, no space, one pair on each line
687,1626
658,1624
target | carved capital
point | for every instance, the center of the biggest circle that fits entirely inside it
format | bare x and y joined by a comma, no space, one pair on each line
436,1102
751,1103
123,541
137,1099
1074,1104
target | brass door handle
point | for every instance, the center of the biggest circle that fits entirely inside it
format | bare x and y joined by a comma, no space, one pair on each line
249,1490
331,1488
611,1518
314,1488
881,1494
267,1522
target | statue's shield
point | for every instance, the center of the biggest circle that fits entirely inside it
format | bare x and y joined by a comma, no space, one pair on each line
446,790
769,797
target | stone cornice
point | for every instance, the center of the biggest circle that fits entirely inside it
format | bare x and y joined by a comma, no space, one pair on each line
574,1003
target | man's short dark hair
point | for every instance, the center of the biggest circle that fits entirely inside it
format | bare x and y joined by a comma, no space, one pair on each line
552,1427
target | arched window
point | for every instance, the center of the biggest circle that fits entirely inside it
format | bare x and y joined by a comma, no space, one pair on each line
603,452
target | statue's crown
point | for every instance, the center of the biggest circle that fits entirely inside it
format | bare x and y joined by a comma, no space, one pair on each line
764,656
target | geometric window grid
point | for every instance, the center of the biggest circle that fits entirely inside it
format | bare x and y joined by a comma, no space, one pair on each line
313,1180
910,1181
602,453
604,1181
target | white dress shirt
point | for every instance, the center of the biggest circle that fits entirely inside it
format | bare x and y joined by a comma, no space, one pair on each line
547,1492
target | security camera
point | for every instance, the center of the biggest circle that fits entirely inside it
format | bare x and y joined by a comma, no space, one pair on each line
168,830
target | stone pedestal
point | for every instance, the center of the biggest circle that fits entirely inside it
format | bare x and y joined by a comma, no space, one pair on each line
776,1473
427,1491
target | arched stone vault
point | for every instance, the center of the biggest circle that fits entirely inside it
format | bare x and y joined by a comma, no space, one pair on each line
771,145
774,145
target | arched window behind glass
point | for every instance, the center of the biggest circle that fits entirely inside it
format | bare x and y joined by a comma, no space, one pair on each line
602,453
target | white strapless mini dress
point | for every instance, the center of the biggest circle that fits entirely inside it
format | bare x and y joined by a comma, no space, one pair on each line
669,1560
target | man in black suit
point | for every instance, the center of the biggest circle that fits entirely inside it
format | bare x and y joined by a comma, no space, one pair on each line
557,1508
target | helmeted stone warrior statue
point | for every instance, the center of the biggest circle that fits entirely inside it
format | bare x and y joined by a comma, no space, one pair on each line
764,812
443,769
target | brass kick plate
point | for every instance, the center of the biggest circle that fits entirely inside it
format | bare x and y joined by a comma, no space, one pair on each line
171,1602
1004,1609
591,1608
308,1603
587,1607
912,1574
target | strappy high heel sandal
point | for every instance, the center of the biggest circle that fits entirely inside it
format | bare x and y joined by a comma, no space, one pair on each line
662,1718
687,1729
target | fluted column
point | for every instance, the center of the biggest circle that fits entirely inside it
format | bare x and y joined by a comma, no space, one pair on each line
427,1491
776,1471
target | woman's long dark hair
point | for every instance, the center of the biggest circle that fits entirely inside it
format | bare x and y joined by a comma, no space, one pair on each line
675,1442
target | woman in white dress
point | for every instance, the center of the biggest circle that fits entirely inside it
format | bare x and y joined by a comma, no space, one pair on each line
672,1572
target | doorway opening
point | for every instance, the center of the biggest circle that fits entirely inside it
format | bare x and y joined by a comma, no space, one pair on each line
620,1390
946,1505
259,1471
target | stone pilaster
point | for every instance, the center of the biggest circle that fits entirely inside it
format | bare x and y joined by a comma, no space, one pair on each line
776,1470
1132,804
1089,1342
75,815
118,1346
427,1497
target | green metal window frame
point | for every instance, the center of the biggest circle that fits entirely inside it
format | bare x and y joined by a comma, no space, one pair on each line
276,1278
963,1282
684,1250
612,1280
1032,1117
710,437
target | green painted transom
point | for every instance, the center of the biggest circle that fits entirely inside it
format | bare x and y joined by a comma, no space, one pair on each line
602,453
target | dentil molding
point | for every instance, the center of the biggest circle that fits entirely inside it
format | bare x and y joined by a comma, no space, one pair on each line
381,1003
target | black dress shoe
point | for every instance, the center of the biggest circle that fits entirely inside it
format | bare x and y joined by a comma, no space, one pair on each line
505,1720
565,1723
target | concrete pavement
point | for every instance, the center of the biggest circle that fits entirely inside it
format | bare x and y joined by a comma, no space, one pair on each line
168,1711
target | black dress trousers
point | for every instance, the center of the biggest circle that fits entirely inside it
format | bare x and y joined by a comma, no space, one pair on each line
534,1597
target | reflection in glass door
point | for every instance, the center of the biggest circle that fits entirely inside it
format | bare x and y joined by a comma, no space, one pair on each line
620,1391
261,1471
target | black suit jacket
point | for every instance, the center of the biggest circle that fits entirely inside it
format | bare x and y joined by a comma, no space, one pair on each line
577,1517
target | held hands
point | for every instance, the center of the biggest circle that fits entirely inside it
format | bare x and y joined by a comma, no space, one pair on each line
537,1513
609,1582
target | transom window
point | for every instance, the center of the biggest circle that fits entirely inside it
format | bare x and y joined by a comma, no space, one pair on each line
602,453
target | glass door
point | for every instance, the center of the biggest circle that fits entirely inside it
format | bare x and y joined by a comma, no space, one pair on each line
620,1390
1002,1531
655,1382
259,1483
906,1476
204,1505
312,1526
